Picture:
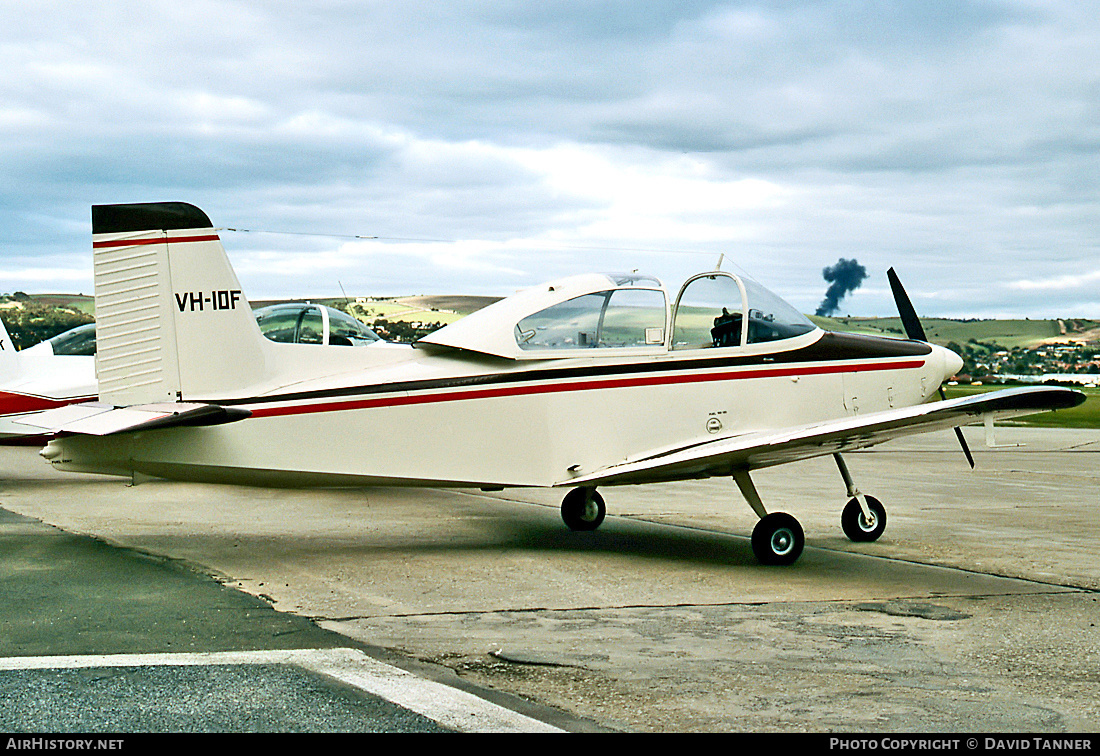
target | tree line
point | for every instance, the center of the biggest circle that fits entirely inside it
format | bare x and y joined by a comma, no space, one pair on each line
29,322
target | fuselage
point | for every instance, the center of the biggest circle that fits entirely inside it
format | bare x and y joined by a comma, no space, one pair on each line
448,417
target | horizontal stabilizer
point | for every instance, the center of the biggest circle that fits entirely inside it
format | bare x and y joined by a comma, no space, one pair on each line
758,449
96,419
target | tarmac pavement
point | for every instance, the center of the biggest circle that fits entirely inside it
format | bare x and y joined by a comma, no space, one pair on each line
975,612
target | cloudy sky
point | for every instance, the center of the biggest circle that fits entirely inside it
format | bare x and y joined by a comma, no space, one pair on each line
493,145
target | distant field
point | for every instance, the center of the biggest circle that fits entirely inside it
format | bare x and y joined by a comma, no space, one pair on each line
1007,333
462,305
81,302
423,309
1086,415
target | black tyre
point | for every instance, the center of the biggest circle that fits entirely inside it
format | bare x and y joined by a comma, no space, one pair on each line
857,527
778,539
583,509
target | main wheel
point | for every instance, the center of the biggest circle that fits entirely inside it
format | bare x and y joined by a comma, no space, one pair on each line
778,539
857,526
583,509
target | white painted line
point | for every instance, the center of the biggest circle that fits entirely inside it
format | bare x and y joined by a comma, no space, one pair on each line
441,703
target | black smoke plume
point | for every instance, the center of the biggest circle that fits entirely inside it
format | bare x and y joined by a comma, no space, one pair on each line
844,277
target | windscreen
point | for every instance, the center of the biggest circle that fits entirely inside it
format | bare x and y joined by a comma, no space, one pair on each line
79,342
770,318
347,331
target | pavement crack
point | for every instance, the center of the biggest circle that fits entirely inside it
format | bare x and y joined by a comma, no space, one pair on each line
914,606
529,659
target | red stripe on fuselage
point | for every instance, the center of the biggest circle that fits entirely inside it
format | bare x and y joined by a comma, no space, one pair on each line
591,385
18,404
159,240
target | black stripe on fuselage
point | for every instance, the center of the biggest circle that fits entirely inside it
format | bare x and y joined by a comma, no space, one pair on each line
831,347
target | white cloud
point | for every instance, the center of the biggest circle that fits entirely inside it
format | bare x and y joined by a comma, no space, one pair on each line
46,279
1075,282
956,141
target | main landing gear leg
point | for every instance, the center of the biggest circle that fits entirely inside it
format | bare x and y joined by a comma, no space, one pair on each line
777,538
864,517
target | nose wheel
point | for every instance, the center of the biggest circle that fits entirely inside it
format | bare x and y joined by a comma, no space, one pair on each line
860,526
863,517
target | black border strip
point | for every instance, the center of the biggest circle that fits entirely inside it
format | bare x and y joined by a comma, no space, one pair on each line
147,216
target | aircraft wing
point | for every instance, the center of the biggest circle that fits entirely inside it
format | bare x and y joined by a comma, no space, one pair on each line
757,449
98,419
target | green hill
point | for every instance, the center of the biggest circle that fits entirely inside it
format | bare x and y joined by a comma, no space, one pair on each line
1008,334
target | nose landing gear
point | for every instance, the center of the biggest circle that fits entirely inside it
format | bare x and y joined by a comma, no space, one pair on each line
860,527
863,518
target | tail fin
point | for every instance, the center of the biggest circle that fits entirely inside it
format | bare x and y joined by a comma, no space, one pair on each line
171,320
9,357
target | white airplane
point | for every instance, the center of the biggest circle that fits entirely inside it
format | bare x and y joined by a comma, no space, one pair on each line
53,373
594,380
61,371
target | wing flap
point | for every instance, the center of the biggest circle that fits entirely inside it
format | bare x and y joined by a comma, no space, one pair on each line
749,451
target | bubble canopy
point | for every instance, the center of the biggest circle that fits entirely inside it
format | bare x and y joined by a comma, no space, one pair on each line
624,314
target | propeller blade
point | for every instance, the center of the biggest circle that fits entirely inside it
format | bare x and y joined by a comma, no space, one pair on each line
909,319
966,449
914,330
959,435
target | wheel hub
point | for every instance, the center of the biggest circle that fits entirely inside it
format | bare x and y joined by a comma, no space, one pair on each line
782,541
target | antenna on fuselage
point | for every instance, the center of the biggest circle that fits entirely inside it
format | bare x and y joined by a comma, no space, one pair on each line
721,257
